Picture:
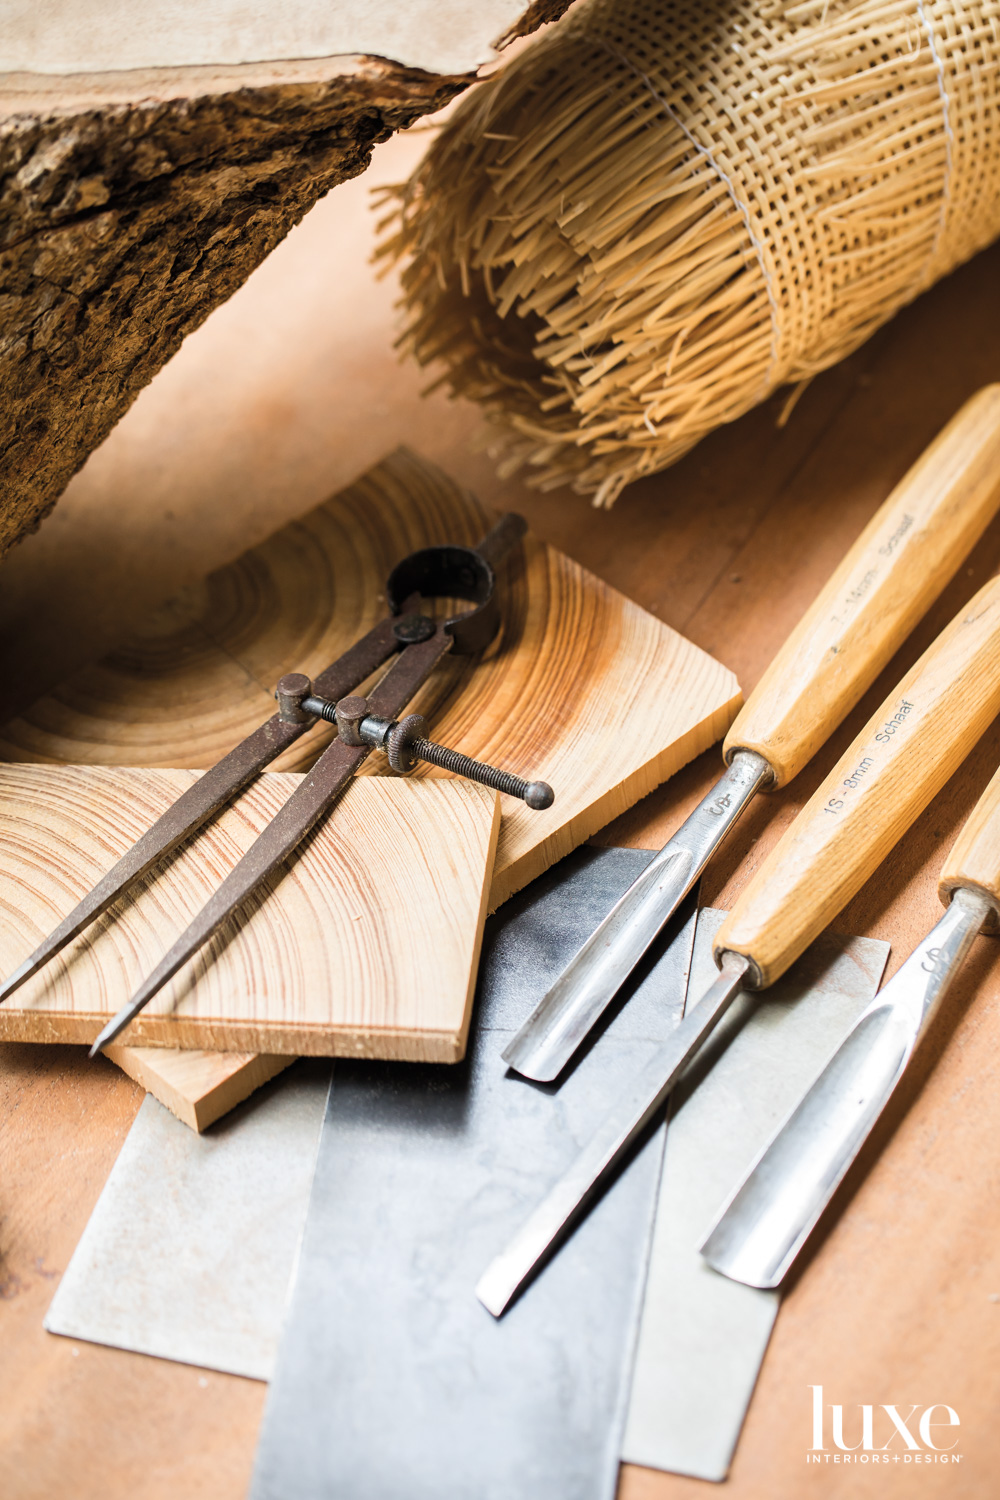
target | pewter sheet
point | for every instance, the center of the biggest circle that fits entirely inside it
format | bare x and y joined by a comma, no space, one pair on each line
392,1381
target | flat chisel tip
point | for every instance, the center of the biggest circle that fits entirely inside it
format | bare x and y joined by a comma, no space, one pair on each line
494,1288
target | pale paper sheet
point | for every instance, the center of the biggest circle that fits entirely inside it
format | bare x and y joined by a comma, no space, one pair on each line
190,1250
702,1338
95,36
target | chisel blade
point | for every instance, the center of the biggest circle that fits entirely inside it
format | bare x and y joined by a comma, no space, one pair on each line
770,1216
637,1101
592,978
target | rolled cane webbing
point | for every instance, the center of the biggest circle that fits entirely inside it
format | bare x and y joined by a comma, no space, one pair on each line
661,211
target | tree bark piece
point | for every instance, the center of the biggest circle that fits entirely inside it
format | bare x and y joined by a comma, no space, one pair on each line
132,203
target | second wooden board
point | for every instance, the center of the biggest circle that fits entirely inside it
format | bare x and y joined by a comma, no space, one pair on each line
198,1086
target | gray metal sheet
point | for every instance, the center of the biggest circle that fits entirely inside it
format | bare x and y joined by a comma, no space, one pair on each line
189,1251
392,1382
702,1337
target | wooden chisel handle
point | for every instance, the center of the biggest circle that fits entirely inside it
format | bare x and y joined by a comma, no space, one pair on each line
882,783
896,569
974,861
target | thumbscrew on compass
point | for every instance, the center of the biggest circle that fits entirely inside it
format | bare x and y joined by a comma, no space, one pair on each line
403,740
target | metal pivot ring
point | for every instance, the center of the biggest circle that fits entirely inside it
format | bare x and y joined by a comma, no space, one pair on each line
451,573
399,740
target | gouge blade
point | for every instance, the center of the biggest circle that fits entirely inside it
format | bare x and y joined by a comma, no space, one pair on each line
576,1189
592,978
773,1211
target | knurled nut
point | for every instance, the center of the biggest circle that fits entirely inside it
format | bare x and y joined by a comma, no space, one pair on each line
399,739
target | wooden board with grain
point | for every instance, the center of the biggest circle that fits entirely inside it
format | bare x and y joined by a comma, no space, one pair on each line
582,687
325,960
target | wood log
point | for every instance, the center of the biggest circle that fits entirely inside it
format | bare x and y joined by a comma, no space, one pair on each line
133,202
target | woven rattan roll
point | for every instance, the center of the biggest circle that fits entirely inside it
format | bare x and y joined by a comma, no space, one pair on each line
662,211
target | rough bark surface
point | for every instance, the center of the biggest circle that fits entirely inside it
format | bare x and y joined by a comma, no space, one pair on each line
127,213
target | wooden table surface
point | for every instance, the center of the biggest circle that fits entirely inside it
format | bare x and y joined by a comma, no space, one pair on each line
289,391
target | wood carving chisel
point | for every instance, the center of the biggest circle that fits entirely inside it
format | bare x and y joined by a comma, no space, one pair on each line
418,643
773,1212
896,569
884,780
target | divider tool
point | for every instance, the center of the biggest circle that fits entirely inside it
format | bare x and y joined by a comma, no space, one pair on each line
445,572
772,1213
900,760
896,569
